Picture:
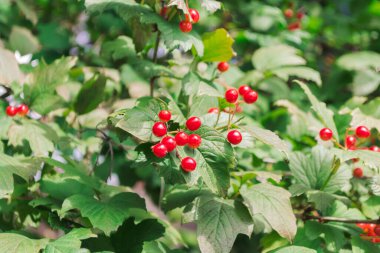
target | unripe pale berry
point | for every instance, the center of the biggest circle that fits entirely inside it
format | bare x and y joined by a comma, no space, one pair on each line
194,141
362,132
188,164
288,13
159,129
193,123
234,137
232,95
326,134
169,142
213,110
160,150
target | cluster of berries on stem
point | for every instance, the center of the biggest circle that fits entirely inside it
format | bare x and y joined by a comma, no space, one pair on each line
190,19
20,110
370,230
294,19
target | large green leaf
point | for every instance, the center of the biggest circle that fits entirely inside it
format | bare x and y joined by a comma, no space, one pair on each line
371,207
120,48
299,71
365,82
217,46
369,158
180,196
15,243
361,119
293,249
361,246
106,215
28,10
9,69
22,40
323,113
69,243
359,60
333,236
219,222
273,203
139,120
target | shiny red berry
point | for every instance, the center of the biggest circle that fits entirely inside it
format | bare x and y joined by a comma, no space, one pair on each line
159,129
362,132
377,230
325,134
11,111
181,138
185,26
300,15
363,226
294,26
22,110
350,141
371,229
188,164
223,66
193,123
164,115
358,173
213,110
375,148
288,13
160,150
194,141
169,142
232,95
244,89
251,97
234,137
194,15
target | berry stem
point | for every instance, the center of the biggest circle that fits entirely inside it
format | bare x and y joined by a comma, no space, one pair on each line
334,169
336,219
338,144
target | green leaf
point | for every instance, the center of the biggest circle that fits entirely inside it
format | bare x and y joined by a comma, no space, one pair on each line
28,11
122,47
219,222
273,203
264,17
148,69
22,40
365,82
361,246
9,166
139,120
299,71
180,196
69,243
371,207
323,113
15,243
361,119
90,95
201,104
369,158
106,215
333,236
268,58
211,5
9,69
293,249
217,46
359,60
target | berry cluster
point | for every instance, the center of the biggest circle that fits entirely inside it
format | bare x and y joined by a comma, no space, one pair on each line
351,142
190,19
169,143
21,110
294,20
371,230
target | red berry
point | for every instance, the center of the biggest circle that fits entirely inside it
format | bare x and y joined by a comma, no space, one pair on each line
185,26
22,110
223,66
350,142
160,150
300,15
194,141
294,26
375,148
326,134
181,138
159,129
363,226
251,97
194,15
234,137
163,11
164,115
232,95
375,240
169,142
362,132
213,110
188,164
11,111
371,229
288,13
244,89
377,230
358,173
193,123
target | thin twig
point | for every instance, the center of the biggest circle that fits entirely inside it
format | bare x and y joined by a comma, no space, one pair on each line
336,219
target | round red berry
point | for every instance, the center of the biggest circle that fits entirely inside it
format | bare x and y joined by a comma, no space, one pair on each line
169,142
213,110
223,66
362,132
377,230
325,134
244,89
194,141
234,137
188,164
22,110
251,97
300,15
181,138
193,123
375,148
288,13
194,15
159,129
11,111
371,229
350,141
294,26
363,226
358,173
232,95
185,26
160,150
164,115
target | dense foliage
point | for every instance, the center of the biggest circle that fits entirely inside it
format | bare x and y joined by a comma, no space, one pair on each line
189,126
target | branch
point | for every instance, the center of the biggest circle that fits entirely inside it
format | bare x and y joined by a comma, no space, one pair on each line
336,219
